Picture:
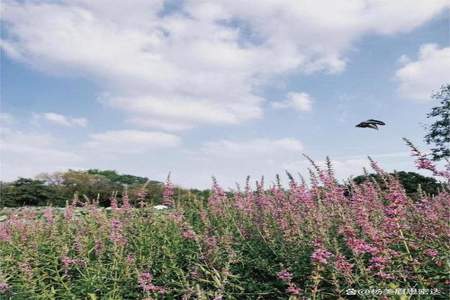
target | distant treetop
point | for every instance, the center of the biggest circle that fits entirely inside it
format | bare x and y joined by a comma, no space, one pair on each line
439,131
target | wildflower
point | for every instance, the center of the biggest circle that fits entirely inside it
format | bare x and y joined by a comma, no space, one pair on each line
385,275
126,206
343,265
293,289
26,269
114,204
141,197
285,276
4,287
5,233
211,242
68,212
168,193
360,247
48,215
145,282
116,235
321,256
377,263
69,262
130,259
176,217
188,234
98,248
217,199
423,163
431,252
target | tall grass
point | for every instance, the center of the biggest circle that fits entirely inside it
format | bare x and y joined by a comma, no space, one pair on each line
315,240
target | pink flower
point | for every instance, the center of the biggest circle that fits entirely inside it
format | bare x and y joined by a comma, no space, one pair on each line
114,204
141,197
5,232
359,246
377,263
130,259
126,206
385,275
321,256
98,247
116,235
4,287
48,215
343,265
68,212
423,163
293,289
285,275
188,234
145,282
168,193
217,199
177,217
431,252
26,269
69,262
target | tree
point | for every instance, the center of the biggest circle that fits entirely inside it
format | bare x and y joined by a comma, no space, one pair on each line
113,176
410,182
24,192
439,131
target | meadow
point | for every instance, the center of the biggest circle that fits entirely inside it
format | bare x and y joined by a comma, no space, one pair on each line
311,240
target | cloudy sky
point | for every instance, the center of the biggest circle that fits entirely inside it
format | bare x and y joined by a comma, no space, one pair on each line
226,88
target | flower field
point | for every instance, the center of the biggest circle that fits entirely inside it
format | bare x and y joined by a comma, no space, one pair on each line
315,240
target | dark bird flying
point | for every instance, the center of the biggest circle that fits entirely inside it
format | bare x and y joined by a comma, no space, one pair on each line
371,123
376,122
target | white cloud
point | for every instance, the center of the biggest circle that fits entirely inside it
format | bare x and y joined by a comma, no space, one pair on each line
203,62
299,101
253,147
28,153
6,119
418,79
61,120
130,141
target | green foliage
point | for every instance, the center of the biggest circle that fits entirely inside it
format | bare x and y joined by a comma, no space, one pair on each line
439,131
113,176
412,182
57,188
24,192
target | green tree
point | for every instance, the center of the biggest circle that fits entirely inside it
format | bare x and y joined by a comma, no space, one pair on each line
439,131
411,182
113,176
25,192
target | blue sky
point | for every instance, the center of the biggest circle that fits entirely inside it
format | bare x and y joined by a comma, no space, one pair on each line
224,88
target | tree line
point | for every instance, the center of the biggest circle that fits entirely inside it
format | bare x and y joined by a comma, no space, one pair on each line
56,189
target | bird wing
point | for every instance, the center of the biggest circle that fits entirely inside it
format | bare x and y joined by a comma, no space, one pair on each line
367,125
377,122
